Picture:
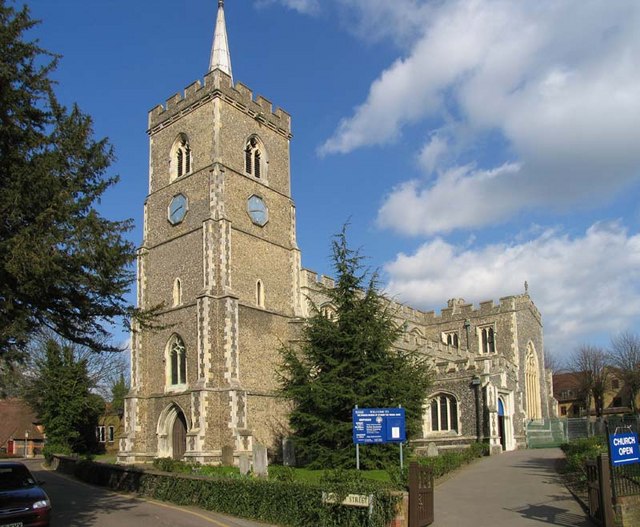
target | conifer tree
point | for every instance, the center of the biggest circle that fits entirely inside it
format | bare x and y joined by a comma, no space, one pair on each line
119,391
60,394
348,358
62,265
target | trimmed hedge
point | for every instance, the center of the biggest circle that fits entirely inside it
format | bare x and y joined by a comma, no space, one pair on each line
290,503
441,464
449,461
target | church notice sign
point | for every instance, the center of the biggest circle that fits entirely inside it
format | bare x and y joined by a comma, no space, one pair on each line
378,425
624,448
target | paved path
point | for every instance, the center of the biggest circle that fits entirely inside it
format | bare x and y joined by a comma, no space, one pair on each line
514,489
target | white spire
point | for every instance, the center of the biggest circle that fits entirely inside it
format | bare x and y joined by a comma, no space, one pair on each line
220,57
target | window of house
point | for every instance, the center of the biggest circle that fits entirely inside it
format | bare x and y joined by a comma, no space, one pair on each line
254,158
180,162
110,434
563,410
486,337
100,434
177,361
615,384
443,410
617,402
451,338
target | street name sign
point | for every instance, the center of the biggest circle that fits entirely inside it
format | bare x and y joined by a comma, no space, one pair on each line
624,448
378,425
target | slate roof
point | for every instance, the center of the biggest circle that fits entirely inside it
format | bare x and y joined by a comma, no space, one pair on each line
16,418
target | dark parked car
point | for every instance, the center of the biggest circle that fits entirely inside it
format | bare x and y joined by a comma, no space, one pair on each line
22,502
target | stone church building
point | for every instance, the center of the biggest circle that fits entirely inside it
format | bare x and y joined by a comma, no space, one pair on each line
219,251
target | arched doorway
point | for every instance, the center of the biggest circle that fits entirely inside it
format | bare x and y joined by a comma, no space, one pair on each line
172,432
501,428
179,436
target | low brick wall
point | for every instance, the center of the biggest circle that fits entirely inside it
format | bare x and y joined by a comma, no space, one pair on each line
627,511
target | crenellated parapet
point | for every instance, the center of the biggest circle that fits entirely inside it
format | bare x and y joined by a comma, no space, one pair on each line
312,280
218,84
460,310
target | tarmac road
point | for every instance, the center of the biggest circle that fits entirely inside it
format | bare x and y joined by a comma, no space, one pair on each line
76,504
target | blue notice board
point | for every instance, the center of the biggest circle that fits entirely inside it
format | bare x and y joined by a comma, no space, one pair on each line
624,448
378,425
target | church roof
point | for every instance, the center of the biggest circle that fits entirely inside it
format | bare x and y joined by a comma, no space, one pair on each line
220,56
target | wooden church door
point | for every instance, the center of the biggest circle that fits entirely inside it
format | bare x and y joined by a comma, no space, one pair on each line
179,436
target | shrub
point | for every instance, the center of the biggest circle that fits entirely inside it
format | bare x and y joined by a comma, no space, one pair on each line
442,464
50,449
291,503
167,464
580,451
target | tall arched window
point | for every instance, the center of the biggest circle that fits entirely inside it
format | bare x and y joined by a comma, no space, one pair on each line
177,373
177,292
259,294
532,383
255,158
442,413
180,162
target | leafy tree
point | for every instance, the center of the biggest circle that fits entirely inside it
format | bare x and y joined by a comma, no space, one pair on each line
62,265
347,359
60,393
625,356
119,391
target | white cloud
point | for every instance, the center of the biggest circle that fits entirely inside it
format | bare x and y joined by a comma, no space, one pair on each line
307,7
582,285
556,80
432,152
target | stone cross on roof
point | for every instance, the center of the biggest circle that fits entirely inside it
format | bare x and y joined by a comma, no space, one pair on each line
220,56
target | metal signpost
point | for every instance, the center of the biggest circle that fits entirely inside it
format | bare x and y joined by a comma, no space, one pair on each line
378,425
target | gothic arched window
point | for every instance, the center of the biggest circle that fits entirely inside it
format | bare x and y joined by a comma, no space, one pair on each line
177,373
255,158
180,162
532,383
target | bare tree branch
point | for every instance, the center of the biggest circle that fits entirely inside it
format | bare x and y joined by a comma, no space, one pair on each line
625,356
591,367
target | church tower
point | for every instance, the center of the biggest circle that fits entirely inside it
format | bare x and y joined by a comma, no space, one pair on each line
219,255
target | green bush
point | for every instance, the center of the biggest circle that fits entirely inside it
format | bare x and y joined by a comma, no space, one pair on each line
441,464
578,452
50,449
167,464
290,503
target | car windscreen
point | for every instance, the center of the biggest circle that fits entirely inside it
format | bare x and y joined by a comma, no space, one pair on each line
15,477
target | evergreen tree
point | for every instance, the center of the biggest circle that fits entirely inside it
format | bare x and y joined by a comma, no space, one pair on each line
60,394
62,265
119,391
348,358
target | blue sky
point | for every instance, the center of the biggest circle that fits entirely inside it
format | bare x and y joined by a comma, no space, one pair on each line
472,144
